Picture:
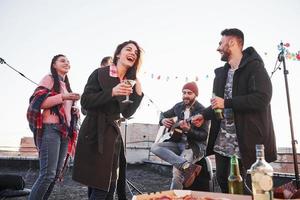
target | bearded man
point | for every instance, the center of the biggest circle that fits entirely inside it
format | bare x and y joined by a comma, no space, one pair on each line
243,90
187,144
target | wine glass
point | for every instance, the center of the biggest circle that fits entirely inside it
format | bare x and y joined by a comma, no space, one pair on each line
131,83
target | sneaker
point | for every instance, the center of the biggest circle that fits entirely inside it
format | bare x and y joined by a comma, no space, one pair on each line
190,174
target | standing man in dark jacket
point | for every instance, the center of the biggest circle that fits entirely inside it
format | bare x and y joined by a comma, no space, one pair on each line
243,91
188,143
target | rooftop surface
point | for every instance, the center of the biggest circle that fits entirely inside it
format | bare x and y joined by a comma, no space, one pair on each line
142,176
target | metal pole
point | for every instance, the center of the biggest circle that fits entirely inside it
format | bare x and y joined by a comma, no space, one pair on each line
128,183
294,142
125,135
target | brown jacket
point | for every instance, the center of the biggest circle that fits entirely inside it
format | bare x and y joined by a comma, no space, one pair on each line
93,162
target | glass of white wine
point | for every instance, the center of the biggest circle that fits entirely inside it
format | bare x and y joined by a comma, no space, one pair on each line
131,83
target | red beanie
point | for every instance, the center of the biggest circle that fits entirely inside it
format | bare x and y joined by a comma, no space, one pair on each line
191,86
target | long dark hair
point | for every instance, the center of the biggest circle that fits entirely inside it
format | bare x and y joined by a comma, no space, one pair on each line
56,85
131,72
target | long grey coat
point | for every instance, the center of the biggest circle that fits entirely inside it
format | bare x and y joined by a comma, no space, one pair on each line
93,162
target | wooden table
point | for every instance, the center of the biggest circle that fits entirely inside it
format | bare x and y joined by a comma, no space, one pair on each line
222,195
197,194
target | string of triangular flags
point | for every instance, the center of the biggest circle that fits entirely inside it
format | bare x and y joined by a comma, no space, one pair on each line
295,56
156,76
289,55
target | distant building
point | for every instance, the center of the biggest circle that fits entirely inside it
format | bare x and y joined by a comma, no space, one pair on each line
139,137
27,147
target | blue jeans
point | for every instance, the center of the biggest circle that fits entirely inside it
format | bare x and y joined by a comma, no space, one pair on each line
52,153
176,154
178,178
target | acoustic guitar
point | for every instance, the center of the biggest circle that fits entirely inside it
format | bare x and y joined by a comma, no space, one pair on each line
174,132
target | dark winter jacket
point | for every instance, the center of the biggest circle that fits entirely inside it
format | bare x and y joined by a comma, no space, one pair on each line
251,96
197,137
93,162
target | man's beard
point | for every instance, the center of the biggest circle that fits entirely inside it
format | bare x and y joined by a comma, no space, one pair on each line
226,54
188,102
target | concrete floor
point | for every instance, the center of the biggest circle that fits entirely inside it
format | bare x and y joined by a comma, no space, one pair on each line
142,176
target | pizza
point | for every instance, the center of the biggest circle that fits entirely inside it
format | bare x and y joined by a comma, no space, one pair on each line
171,195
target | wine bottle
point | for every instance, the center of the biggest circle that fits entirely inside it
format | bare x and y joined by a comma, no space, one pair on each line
235,180
261,176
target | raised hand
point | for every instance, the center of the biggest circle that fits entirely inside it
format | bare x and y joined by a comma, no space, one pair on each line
184,125
122,89
217,102
71,96
168,122
197,120
130,83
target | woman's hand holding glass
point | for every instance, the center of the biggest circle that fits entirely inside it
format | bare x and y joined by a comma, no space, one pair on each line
130,83
71,96
122,89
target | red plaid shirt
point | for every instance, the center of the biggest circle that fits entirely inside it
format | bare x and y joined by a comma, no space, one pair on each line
35,119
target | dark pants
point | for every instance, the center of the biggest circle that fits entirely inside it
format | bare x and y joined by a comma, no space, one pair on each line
97,194
223,171
201,182
121,184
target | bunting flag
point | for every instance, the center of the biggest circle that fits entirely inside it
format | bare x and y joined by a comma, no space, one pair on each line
168,77
292,56
289,55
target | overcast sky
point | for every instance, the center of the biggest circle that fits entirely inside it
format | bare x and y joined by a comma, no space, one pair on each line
180,39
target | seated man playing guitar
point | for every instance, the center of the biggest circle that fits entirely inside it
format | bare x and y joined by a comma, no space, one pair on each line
187,143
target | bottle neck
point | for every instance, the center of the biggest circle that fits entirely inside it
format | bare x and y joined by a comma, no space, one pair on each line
234,167
260,155
235,170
